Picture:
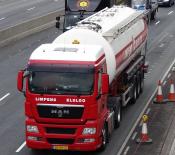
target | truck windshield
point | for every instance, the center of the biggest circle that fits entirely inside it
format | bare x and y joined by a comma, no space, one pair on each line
72,83
72,18
90,5
139,2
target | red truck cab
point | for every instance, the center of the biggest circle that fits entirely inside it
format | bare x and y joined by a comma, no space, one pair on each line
66,103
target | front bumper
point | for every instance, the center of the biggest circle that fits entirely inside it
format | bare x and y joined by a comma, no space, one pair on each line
73,141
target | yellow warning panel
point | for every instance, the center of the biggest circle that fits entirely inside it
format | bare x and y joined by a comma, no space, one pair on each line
75,42
83,4
145,118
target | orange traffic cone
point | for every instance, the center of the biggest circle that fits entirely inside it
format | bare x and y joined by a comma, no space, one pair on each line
144,138
171,95
159,97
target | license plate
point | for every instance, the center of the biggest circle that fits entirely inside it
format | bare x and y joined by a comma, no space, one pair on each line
60,147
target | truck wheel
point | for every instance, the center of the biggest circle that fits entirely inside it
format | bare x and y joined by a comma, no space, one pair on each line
153,15
104,138
118,117
147,19
138,85
134,97
141,83
35,151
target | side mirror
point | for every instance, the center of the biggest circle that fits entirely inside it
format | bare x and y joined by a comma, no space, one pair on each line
105,83
58,25
58,22
58,18
20,80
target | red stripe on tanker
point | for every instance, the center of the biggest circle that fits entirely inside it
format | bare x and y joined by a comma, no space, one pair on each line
131,47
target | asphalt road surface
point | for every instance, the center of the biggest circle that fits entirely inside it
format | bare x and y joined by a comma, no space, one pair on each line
14,57
13,12
161,123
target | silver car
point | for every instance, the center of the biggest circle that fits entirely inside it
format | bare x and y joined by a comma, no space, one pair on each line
166,2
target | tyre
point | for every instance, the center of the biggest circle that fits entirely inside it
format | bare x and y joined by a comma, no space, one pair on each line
35,151
134,97
117,117
147,19
141,83
138,85
105,138
153,15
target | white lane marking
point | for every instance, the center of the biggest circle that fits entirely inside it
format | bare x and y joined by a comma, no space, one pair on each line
157,22
148,110
164,52
170,12
21,147
2,98
2,18
141,114
126,151
166,34
173,68
169,75
164,83
134,135
161,45
141,123
31,8
172,148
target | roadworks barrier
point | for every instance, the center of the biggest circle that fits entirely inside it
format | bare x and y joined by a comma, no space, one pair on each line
29,27
159,99
171,95
144,137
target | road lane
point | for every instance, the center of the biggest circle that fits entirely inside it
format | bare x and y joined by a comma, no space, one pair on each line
14,57
19,11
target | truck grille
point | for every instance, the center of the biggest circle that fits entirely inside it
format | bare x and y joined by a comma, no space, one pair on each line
60,141
60,111
61,130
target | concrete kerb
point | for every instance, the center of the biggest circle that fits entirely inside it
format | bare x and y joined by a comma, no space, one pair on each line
29,27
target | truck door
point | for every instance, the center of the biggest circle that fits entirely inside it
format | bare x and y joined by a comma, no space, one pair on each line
101,98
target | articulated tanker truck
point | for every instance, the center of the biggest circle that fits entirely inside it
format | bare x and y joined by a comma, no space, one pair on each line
75,87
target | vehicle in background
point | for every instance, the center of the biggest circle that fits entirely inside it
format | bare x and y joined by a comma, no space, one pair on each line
77,10
149,6
166,2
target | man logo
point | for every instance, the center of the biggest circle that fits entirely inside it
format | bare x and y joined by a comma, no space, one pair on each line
60,113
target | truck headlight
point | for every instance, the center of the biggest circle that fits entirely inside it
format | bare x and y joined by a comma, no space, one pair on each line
166,0
32,128
89,131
